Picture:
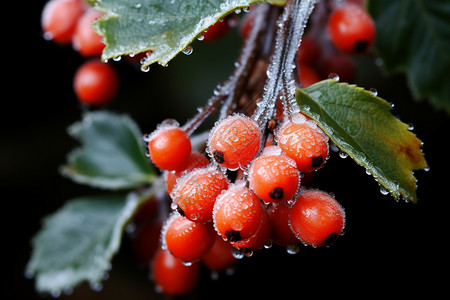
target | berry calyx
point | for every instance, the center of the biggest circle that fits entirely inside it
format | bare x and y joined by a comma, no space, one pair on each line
234,141
316,218
186,239
273,176
237,213
95,83
171,276
351,29
302,140
196,193
169,147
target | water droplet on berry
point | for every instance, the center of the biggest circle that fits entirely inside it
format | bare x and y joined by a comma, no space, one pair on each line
117,58
373,91
187,263
292,249
246,9
237,253
55,293
268,244
188,50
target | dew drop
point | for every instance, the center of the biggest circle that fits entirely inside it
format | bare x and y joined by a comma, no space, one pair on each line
146,137
188,50
342,154
373,91
427,169
410,126
96,286
268,244
237,11
237,254
292,249
383,190
201,37
333,76
187,263
117,58
145,69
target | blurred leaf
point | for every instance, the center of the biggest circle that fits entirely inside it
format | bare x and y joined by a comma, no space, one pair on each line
361,124
112,153
77,242
413,37
164,26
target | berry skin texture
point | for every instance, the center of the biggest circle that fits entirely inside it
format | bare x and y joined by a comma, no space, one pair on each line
274,177
196,193
85,40
169,147
302,140
195,160
95,83
59,19
187,240
316,218
259,239
351,29
234,141
282,234
220,257
171,276
237,213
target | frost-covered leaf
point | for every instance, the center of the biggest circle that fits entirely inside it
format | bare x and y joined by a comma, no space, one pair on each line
77,242
361,124
112,154
165,27
413,37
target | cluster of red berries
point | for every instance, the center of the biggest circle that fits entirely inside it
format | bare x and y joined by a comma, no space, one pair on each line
68,22
349,30
244,193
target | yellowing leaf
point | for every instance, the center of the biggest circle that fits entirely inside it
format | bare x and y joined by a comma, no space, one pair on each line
361,124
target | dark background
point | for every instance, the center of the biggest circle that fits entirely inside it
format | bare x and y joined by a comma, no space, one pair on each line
388,248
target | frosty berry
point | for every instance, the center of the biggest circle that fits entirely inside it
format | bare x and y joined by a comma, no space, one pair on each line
169,147
234,141
302,140
316,218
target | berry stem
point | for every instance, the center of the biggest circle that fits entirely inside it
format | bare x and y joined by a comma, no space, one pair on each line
281,81
231,90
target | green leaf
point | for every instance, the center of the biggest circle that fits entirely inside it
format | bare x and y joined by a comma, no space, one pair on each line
112,153
413,37
361,125
164,26
78,242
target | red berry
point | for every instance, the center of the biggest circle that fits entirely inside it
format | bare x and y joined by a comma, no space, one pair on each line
187,240
169,147
220,257
85,40
316,218
309,51
237,213
59,19
146,241
196,193
219,29
282,234
146,211
259,239
234,141
95,83
273,176
351,29
302,140
195,160
308,76
171,276
338,63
